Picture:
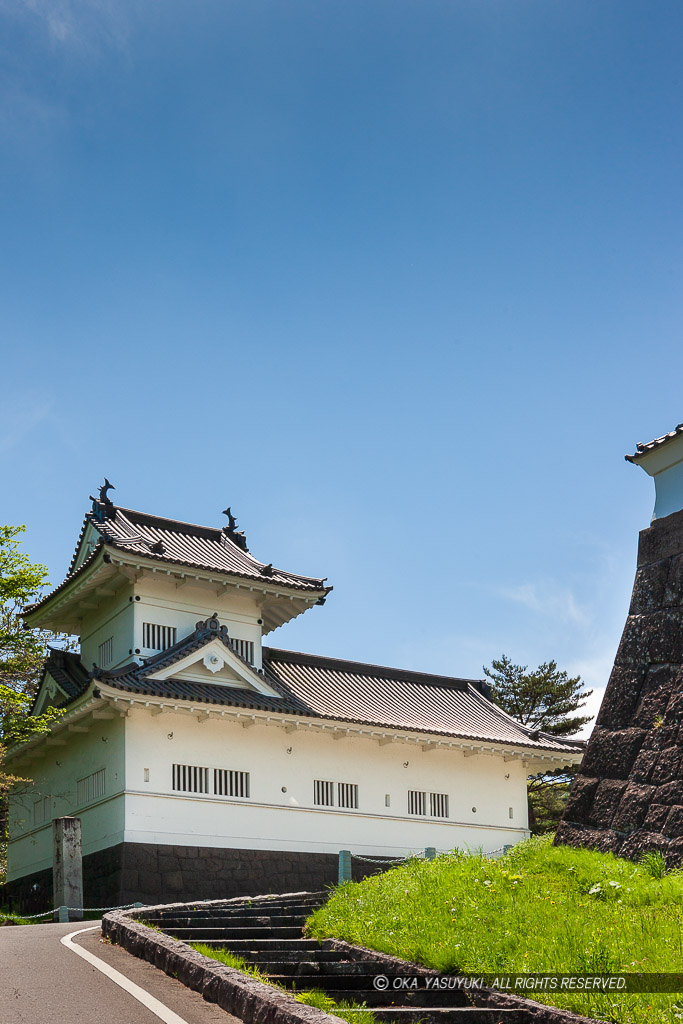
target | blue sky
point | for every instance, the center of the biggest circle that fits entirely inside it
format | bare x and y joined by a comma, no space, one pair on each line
398,281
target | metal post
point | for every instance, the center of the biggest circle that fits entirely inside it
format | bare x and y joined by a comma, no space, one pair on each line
63,915
67,866
344,866
430,853
506,849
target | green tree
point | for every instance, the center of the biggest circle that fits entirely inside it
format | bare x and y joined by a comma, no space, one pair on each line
22,653
545,699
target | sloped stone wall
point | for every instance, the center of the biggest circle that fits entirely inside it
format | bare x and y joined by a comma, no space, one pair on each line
628,795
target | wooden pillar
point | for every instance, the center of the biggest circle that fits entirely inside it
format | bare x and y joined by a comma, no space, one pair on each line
67,866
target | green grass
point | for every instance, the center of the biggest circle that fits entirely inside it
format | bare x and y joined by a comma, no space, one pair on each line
540,908
354,1013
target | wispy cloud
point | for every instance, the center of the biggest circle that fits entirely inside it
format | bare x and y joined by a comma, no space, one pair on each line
21,415
84,25
547,599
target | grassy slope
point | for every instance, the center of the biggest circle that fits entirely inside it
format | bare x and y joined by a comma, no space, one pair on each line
540,908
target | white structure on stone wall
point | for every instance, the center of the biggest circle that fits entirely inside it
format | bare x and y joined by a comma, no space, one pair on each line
203,763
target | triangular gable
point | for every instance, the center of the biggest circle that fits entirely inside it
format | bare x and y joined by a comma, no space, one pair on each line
50,694
89,540
213,662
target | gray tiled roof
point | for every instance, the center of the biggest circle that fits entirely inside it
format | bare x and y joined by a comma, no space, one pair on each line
644,448
345,691
182,545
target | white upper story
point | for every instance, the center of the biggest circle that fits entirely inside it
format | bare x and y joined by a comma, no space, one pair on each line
662,459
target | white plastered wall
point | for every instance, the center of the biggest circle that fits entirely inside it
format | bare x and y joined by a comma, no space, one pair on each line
55,777
275,820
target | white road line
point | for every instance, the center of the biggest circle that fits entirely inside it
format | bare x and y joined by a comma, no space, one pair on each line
161,1011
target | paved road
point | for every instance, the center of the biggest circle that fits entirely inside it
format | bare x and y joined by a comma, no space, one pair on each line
44,982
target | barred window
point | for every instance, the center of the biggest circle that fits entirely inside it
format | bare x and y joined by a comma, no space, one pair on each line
347,795
91,787
323,793
417,802
41,810
230,783
106,651
438,805
245,649
189,778
156,637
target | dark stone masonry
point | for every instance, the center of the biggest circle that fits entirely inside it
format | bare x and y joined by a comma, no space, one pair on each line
132,872
628,795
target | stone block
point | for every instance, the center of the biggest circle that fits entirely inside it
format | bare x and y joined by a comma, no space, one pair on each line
607,799
667,767
621,697
611,755
670,793
662,539
642,842
673,590
171,882
633,808
655,817
644,766
673,826
674,854
649,587
656,692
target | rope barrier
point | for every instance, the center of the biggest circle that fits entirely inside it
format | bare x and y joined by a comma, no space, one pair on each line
74,910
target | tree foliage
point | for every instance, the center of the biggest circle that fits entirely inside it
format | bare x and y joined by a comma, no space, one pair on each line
22,653
545,698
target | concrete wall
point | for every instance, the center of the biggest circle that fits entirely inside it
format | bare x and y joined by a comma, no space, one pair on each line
275,820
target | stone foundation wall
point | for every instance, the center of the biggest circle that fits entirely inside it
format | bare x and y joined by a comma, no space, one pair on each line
628,795
132,872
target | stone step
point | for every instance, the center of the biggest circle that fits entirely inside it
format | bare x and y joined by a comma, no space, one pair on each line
204,934
288,921
361,990
262,958
287,947
328,971
252,913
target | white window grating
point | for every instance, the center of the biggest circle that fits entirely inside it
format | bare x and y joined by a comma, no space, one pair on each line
438,805
417,802
106,652
245,649
41,810
347,795
323,793
189,778
90,788
156,637
230,783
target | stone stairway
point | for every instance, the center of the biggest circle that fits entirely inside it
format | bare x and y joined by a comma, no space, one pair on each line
268,933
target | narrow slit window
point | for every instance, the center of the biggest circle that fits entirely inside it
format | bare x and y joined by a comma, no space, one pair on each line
417,802
323,793
245,649
91,787
438,805
106,652
156,637
41,810
190,778
347,795
227,782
